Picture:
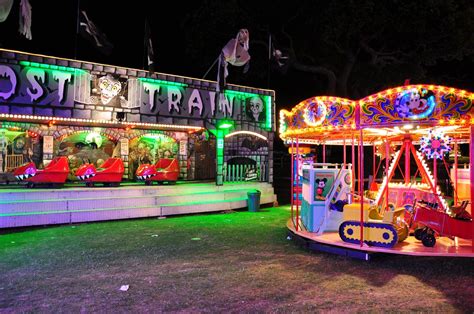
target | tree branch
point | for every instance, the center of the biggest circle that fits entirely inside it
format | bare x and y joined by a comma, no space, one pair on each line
330,75
380,57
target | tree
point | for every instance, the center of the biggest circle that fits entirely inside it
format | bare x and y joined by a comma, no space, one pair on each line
352,47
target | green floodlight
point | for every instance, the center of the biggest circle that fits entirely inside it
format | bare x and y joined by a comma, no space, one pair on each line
225,124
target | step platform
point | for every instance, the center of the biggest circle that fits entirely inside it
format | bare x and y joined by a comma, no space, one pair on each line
21,207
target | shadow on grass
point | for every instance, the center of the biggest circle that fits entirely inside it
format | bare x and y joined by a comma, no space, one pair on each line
404,276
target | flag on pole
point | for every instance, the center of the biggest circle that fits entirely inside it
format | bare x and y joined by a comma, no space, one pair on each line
5,7
150,53
236,53
25,19
90,32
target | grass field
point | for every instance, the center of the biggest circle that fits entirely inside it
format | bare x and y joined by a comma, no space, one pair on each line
233,262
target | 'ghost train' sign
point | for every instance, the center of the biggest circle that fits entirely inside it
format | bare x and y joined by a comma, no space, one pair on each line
44,85
166,100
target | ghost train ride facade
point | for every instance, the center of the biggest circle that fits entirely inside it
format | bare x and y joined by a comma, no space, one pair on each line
88,113
69,121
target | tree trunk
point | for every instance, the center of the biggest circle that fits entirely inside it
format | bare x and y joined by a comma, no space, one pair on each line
331,77
344,77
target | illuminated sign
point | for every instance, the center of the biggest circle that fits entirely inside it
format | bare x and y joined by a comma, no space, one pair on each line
86,95
39,86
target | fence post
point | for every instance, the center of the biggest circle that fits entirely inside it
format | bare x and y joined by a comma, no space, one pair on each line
224,172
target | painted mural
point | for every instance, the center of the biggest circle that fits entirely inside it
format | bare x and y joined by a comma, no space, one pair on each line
255,109
149,148
415,103
17,147
84,147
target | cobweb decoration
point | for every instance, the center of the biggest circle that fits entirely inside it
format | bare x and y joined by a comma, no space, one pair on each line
435,145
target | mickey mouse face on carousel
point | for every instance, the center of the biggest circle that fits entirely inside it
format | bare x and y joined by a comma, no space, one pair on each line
415,103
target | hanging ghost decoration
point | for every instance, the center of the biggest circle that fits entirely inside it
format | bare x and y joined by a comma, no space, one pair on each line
236,50
236,53
25,19
5,7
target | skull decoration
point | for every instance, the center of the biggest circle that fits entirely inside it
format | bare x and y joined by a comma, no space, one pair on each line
109,88
255,107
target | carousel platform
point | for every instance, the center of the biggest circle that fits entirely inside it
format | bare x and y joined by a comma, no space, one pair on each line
22,207
331,242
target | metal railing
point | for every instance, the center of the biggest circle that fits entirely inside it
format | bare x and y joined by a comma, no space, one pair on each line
244,173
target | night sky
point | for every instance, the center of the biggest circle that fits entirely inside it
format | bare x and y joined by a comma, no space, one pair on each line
188,38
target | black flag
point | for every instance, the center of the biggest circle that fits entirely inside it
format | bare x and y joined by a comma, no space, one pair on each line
150,53
90,32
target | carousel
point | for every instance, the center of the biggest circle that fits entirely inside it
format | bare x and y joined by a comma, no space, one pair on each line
400,184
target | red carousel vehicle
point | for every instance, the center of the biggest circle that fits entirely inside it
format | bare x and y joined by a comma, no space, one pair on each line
433,223
110,173
55,173
164,170
425,124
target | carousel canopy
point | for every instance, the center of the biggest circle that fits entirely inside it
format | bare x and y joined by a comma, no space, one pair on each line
412,110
